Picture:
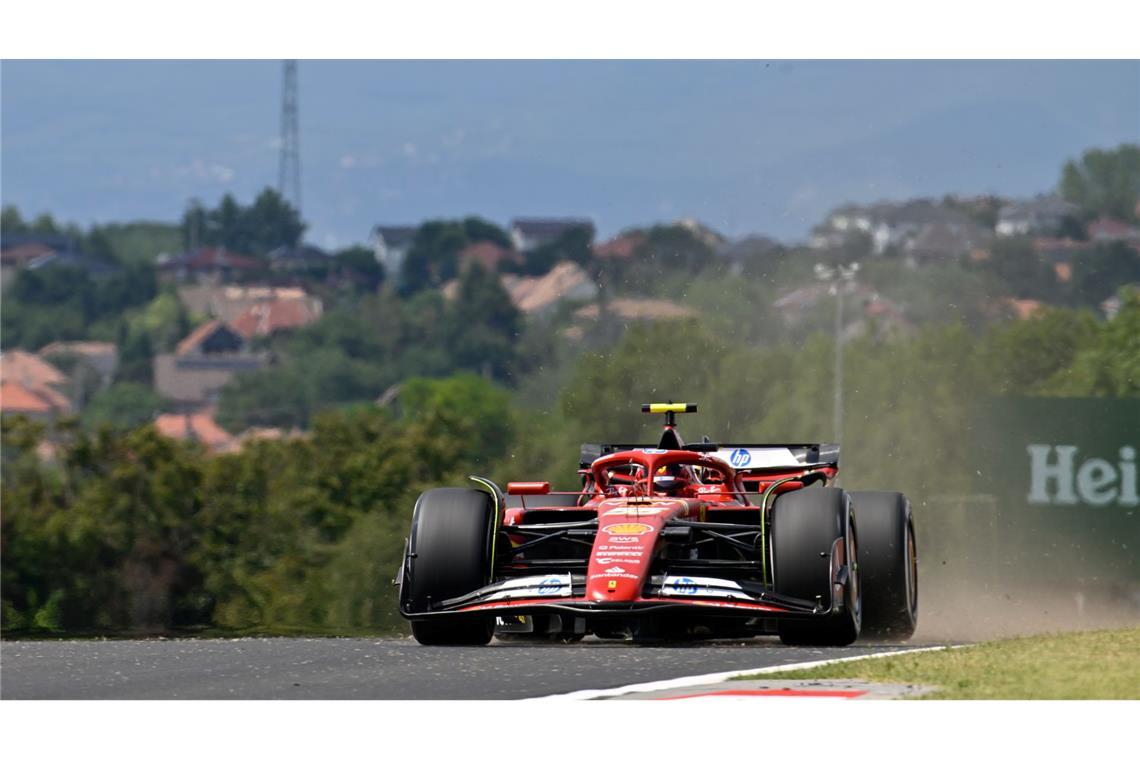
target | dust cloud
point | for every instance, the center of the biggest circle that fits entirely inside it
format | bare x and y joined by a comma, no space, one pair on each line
971,610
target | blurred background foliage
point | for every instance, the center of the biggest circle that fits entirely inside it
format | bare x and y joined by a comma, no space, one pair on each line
129,531
109,527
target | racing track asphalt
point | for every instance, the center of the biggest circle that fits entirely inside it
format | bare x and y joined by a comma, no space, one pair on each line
278,668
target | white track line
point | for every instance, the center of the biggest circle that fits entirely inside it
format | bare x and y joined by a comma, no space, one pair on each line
711,678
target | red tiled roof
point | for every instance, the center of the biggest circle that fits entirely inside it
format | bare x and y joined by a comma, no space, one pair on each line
213,258
198,427
488,254
29,369
1047,245
269,317
1024,308
82,347
1105,228
620,247
252,434
15,398
638,308
194,339
59,401
534,294
21,255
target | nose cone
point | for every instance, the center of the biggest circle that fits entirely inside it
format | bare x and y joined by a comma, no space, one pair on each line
624,547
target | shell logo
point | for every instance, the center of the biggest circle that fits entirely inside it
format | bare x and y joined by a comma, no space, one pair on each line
628,529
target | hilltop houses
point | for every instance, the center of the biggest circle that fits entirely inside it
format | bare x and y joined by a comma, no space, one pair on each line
391,245
192,377
527,234
923,227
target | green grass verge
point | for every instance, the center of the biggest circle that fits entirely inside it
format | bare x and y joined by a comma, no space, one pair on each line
1091,665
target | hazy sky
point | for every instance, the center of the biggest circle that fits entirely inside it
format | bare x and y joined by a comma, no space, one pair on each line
763,147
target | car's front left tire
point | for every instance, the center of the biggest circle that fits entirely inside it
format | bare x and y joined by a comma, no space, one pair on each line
807,526
449,555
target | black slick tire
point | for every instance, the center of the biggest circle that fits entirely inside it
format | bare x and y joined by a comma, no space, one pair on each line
889,564
449,555
805,527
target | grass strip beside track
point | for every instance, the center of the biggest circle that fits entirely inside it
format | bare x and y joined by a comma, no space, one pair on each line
1089,665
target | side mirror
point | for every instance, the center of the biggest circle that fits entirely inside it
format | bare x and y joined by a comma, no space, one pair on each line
528,488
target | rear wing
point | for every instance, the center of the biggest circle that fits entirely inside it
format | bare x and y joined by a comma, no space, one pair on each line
743,457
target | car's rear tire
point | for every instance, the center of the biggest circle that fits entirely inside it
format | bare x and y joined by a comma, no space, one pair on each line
805,527
889,564
448,556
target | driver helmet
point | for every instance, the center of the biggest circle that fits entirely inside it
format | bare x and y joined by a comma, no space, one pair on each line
669,480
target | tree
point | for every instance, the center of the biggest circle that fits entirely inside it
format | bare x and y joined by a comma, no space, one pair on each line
53,303
136,356
268,223
674,248
271,222
482,325
477,229
1104,182
575,244
359,265
11,223
1098,272
1108,365
657,361
1023,355
123,405
469,405
44,224
134,243
1017,265
434,256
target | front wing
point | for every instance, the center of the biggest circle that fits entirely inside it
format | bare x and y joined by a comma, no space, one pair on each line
664,594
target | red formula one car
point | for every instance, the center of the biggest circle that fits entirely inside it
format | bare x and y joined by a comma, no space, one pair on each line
661,542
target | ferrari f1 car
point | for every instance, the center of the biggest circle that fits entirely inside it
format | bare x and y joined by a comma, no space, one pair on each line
661,542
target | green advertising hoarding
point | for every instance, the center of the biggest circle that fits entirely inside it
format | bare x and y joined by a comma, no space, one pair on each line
1063,476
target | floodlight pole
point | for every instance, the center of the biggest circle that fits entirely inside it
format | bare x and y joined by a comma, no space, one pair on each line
841,278
837,411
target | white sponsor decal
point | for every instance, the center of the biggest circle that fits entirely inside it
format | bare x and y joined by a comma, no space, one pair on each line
624,539
609,577
683,585
635,511
615,570
551,586
540,585
621,551
611,560
1055,478
751,459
